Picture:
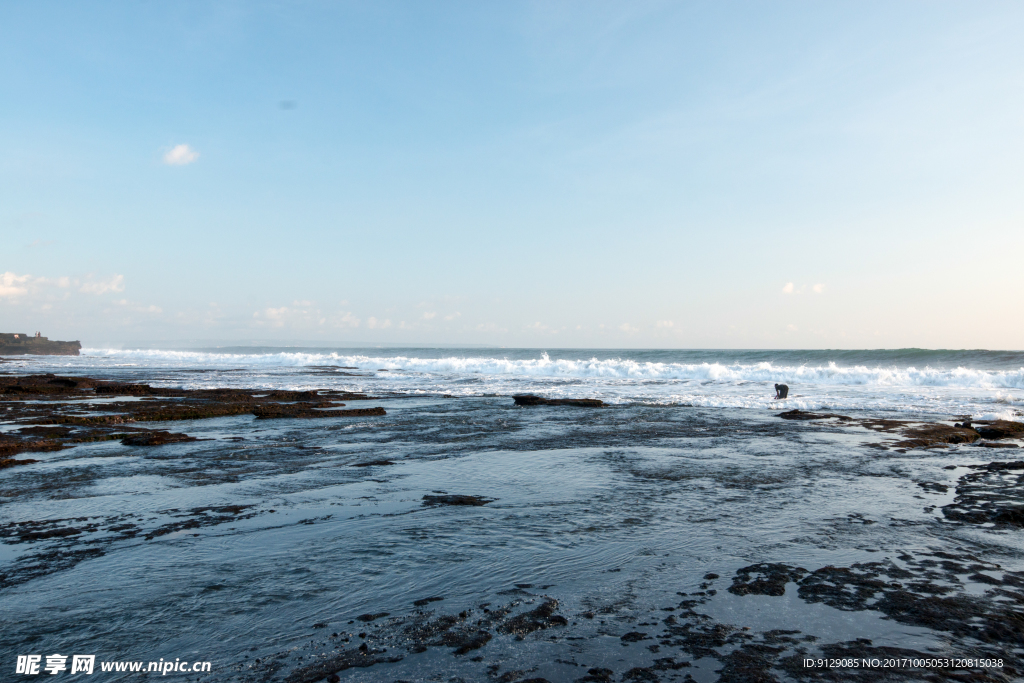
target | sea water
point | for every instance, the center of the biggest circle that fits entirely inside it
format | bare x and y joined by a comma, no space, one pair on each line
613,512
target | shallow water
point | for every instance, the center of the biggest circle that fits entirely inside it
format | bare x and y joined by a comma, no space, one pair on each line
612,511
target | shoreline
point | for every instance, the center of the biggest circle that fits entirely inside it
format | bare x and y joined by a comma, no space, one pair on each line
958,592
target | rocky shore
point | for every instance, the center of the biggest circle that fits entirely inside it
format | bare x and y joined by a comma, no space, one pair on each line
64,411
437,484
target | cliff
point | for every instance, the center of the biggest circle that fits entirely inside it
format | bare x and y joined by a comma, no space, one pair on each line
12,344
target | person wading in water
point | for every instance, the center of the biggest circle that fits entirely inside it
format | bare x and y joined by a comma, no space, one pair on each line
781,391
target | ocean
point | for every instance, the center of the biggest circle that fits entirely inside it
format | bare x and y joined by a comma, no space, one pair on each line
682,532
985,384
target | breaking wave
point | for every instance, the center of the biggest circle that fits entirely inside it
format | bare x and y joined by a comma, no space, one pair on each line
826,374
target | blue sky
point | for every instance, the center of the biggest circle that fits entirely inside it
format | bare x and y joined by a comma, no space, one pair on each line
523,174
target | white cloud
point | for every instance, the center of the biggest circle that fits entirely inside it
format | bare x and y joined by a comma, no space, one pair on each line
818,289
788,289
627,328
180,155
113,284
347,320
12,285
427,315
664,323
453,316
274,315
374,324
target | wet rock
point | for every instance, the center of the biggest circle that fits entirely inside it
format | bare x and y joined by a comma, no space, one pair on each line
633,637
995,495
10,446
806,415
46,432
750,663
596,675
371,617
310,410
768,579
156,438
531,400
1001,429
13,462
426,601
374,463
465,640
640,673
456,500
540,618
936,435
346,659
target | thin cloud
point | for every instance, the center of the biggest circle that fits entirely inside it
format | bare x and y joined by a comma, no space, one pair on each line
113,284
180,155
664,323
818,289
788,289
12,285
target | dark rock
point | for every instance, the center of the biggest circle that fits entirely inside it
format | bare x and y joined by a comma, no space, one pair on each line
371,617
310,410
540,618
1001,429
456,500
426,601
346,659
12,462
805,415
156,438
936,435
373,463
771,579
531,400
20,344
633,637
465,640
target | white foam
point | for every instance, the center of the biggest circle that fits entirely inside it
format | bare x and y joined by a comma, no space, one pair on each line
544,366
951,391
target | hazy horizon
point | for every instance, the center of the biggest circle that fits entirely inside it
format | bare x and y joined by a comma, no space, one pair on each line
647,175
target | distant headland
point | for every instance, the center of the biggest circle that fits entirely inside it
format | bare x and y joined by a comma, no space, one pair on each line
12,344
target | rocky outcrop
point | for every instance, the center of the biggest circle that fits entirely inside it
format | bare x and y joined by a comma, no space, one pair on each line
156,438
531,400
19,344
1001,429
456,500
62,414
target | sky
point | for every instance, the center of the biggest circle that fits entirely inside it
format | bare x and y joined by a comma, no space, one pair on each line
549,174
